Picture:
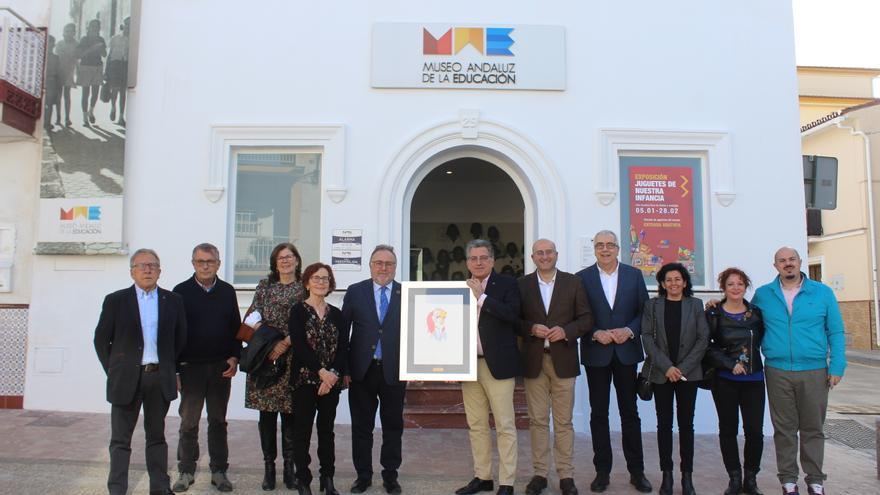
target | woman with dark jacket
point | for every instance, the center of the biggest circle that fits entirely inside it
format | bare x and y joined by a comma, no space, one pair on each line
735,332
675,335
320,356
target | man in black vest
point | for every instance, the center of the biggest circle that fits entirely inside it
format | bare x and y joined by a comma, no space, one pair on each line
207,365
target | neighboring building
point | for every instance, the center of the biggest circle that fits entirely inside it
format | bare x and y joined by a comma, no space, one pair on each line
840,118
416,124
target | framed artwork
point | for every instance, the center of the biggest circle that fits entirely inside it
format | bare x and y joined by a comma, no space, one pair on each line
438,337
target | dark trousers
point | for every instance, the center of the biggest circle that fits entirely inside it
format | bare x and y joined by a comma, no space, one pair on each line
685,394
731,399
203,384
364,397
599,381
123,419
269,435
306,403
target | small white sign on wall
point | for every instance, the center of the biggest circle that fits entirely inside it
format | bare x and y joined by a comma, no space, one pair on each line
346,249
81,220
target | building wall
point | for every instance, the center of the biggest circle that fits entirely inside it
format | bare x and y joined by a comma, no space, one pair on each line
631,66
858,318
836,82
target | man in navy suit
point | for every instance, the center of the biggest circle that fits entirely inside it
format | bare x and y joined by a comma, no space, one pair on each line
498,364
611,350
140,334
372,308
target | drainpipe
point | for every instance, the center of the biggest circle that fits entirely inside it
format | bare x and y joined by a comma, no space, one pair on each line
871,225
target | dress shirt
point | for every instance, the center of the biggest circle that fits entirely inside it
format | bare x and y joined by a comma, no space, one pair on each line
546,289
609,284
207,288
483,283
148,307
790,294
377,296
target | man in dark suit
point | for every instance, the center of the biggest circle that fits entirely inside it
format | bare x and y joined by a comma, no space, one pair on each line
611,350
498,363
555,313
140,333
372,309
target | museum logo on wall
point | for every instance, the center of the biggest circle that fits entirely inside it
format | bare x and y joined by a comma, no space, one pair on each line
476,57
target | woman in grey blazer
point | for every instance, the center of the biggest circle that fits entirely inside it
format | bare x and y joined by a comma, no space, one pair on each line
675,335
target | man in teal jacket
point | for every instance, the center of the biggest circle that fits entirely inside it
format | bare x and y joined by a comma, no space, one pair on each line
803,328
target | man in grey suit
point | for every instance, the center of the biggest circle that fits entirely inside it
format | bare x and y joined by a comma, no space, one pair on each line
611,351
141,332
372,308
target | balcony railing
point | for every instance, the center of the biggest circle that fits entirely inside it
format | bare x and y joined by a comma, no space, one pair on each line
22,53
22,64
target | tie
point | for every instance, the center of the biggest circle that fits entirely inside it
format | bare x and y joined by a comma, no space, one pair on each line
383,310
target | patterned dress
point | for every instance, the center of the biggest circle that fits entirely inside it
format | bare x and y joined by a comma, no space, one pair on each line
273,301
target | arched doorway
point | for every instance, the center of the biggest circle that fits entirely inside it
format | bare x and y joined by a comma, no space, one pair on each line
459,200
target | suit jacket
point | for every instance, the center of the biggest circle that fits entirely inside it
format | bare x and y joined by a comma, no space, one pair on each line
498,325
627,312
569,309
359,314
693,341
119,342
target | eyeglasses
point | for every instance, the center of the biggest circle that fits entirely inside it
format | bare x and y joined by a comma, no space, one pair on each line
545,252
205,262
289,257
385,264
146,266
319,280
482,259
605,245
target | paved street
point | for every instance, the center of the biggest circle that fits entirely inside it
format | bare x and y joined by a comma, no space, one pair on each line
57,452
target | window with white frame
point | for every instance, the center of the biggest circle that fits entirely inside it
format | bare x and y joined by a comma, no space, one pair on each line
277,198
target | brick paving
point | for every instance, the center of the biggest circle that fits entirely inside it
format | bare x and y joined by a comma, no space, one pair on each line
61,452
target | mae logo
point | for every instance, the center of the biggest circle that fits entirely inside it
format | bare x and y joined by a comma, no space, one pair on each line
491,42
79,220
81,212
463,69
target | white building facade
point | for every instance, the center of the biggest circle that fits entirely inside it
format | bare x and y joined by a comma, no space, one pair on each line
312,89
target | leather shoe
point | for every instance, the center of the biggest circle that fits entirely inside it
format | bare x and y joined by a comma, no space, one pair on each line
641,483
392,486
476,485
360,485
566,486
536,485
600,484
504,490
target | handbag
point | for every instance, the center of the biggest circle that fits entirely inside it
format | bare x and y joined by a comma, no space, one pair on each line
245,331
644,387
709,369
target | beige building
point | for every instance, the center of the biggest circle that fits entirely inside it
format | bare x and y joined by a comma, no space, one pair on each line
840,117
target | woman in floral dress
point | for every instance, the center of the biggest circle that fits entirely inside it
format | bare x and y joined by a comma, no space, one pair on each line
273,299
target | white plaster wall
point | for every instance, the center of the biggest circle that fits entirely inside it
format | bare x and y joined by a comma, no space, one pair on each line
694,65
19,189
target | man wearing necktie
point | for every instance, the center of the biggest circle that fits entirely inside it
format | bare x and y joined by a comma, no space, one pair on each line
498,364
372,309
140,334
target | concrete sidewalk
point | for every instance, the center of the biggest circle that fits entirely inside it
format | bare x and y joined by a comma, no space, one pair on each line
66,453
